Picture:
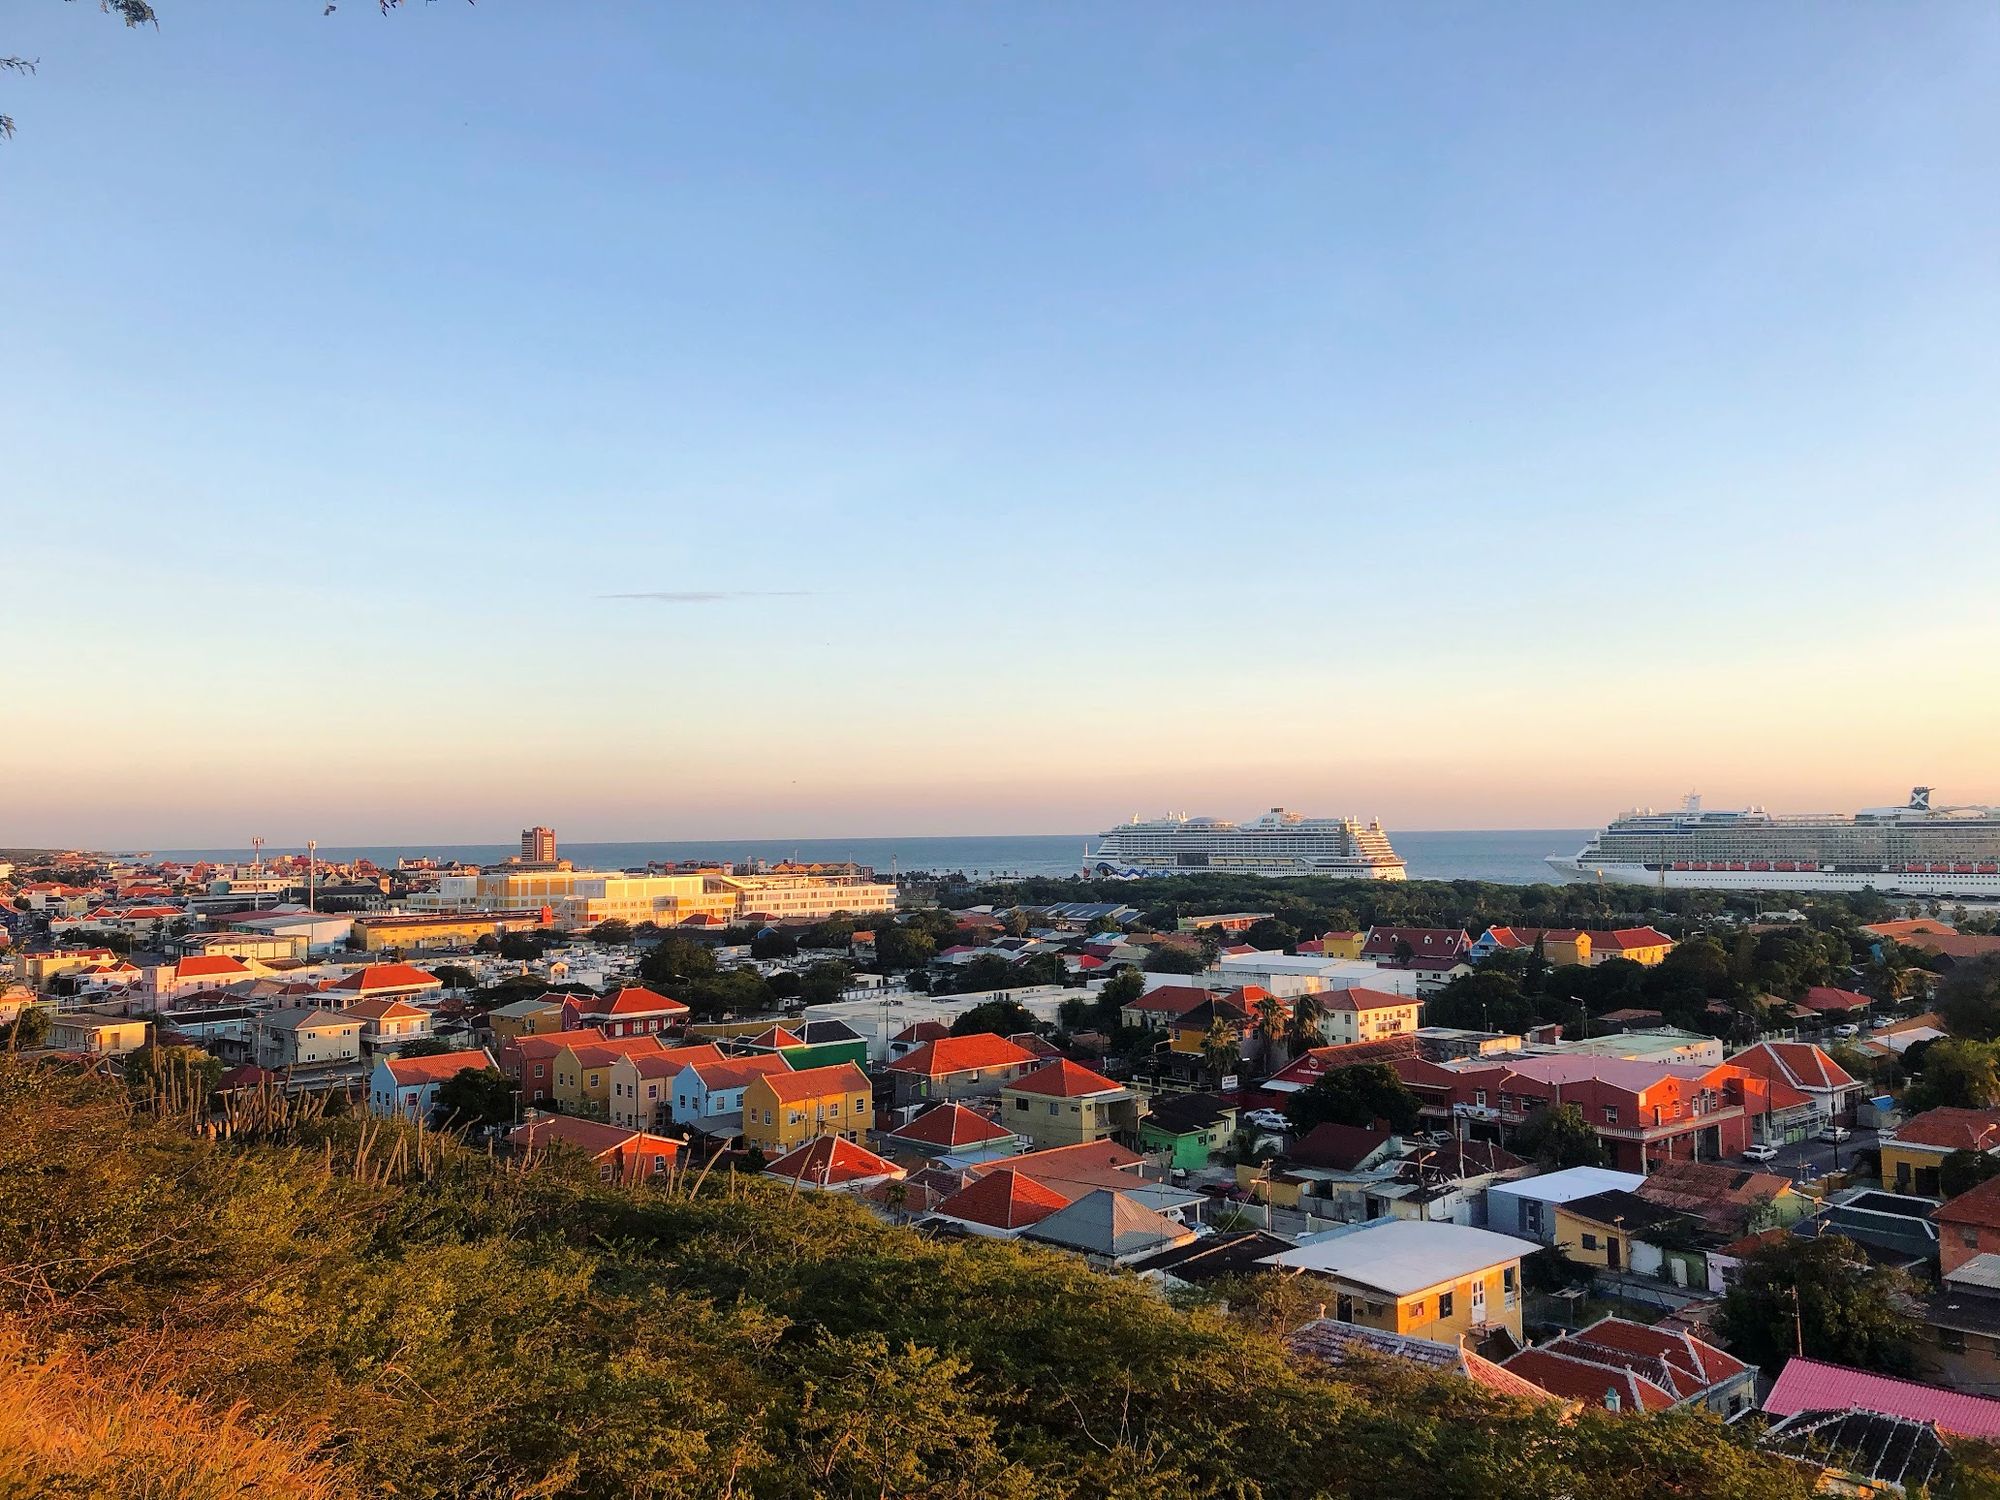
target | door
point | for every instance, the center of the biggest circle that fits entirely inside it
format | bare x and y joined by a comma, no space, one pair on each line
1611,1254
1478,1302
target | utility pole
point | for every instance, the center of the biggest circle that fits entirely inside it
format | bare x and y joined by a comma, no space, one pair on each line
312,874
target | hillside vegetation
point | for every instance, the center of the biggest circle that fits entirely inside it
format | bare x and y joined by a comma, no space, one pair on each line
331,1307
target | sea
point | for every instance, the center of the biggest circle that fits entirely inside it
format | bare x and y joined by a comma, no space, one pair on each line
1511,856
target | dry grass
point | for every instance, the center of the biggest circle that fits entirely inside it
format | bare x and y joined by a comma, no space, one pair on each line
68,1430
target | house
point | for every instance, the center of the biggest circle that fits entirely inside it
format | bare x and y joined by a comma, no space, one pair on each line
41,970
1158,1008
914,1036
1333,1342
1728,1201
1598,1230
1912,1154
958,1067
1812,1385
1187,1128
97,1036
1000,1204
1563,946
1110,1228
709,1096
783,1110
642,1084
1969,1225
1623,1366
1399,945
1526,1207
202,971
632,1011
833,1164
1064,1104
521,1018
407,1086
583,1072
955,1134
529,1061
621,1154
1189,1030
1357,1014
390,1023
1830,1089
382,981
1345,946
1835,1004
823,1043
1438,1281
1209,1258
294,1038
1303,1071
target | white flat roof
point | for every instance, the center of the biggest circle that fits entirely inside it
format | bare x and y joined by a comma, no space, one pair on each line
1401,1256
1568,1185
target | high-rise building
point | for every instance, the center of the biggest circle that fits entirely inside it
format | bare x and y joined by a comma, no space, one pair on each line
538,846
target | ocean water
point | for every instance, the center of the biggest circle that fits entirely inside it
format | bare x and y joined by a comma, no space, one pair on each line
1506,856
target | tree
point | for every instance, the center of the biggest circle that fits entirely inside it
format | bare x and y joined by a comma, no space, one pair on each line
1269,1022
1560,1136
1120,990
1956,1074
29,1028
1166,959
899,947
1968,1000
475,1096
1822,1298
1962,1171
1358,1095
676,961
1221,1047
611,932
1306,1029
1269,933
1103,926
771,943
1001,1017
1484,1000
455,976
173,1079
425,1046
825,982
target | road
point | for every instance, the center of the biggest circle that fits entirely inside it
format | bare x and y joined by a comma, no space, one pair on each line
1813,1158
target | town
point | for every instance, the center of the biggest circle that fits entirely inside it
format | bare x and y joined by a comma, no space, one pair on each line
1738,1161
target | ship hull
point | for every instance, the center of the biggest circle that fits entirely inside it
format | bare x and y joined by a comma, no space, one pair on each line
1123,865
1939,885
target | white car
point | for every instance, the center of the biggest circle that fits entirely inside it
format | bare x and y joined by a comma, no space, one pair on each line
1760,1153
1835,1133
1847,1031
1267,1119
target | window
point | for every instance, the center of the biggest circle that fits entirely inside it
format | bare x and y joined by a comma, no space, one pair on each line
1590,1242
1055,1109
1479,1098
1611,1114
1969,1238
1445,1304
1417,1307
1952,1340
1507,1278
1020,1104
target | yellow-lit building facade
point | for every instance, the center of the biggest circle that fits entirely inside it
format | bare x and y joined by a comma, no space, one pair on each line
783,1110
417,932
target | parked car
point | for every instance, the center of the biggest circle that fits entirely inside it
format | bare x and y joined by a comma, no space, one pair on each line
1267,1119
1760,1153
1835,1133
1847,1031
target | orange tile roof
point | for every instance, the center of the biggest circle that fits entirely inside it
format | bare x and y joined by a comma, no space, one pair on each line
1360,998
604,1053
737,1072
208,966
830,1161
775,1036
1824,997
390,1009
1003,1200
961,1054
388,977
666,1063
1588,1381
1976,1205
1954,1129
1064,1080
409,1071
549,1043
633,1000
595,1139
951,1127
922,1031
813,1083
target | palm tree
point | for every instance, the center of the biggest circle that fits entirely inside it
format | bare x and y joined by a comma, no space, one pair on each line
1221,1047
1270,1025
1307,1016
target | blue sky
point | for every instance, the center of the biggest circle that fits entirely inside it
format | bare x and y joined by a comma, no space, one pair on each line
1483,416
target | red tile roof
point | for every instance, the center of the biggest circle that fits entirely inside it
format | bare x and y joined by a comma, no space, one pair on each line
411,1072
1952,1129
387,977
1825,998
961,1054
390,1009
1800,1064
1976,1205
832,1162
1035,1046
775,1036
633,1000
1359,998
1678,1362
1064,1080
1170,999
922,1031
596,1140
603,1054
666,1063
1811,1385
1589,1381
549,1043
210,966
1003,1200
738,1072
814,1083
953,1127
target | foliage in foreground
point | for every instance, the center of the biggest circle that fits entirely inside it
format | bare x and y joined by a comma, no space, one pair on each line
460,1329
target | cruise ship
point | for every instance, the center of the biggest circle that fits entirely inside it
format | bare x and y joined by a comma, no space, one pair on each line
1952,853
1274,843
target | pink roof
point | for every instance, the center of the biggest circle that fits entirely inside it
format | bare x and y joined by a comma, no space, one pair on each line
1810,1385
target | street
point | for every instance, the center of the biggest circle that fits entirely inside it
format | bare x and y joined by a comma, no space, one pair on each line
1811,1159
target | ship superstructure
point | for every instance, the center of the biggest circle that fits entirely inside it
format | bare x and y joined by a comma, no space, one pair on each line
1278,842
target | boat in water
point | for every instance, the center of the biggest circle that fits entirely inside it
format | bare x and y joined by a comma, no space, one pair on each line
1948,853
1279,842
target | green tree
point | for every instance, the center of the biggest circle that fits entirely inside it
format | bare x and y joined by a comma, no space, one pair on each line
611,932
1968,1000
825,982
1221,1048
29,1028
475,1096
1821,1297
1165,959
899,947
1269,934
1305,1029
1001,1017
676,961
1956,1074
425,1046
1269,1022
1559,1136
1962,1171
1358,1095
455,976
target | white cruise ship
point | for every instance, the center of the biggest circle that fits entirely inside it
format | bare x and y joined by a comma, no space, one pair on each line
1274,843
1951,853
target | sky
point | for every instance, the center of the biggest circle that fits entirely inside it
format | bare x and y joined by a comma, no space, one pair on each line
681,421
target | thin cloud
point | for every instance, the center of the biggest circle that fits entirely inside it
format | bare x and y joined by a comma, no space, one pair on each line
711,596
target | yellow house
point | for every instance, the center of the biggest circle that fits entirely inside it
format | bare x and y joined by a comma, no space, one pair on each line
582,1084
100,1036
1066,1104
1190,1031
536,1017
41,969
1345,945
1598,1230
1434,1281
1912,1154
783,1110
1641,945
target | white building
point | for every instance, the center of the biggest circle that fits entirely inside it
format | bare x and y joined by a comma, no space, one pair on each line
1288,975
879,1018
1527,1206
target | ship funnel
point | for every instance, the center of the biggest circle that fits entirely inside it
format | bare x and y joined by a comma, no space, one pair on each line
1920,799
